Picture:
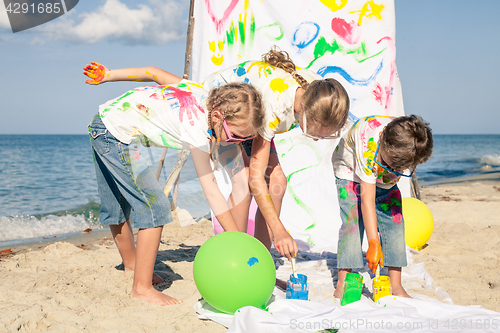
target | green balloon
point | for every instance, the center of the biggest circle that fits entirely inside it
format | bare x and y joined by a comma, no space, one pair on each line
232,270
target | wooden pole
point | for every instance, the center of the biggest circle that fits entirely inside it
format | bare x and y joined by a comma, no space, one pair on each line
160,164
415,187
189,41
182,156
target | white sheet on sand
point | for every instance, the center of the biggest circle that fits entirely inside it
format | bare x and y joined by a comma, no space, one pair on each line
420,314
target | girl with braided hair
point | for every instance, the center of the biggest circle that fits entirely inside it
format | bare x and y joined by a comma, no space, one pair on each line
292,97
179,116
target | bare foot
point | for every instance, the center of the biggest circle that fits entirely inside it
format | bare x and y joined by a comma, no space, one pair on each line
400,291
154,296
280,284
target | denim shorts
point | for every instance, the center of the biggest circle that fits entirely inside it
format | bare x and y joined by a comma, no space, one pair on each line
389,222
127,187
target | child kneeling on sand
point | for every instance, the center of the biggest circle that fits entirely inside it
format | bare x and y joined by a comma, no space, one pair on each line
368,162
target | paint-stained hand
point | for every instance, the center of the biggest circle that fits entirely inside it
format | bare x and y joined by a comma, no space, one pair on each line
96,72
374,255
285,245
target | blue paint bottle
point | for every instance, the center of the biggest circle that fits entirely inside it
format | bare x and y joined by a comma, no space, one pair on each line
296,287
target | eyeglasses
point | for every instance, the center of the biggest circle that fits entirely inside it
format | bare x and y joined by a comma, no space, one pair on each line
406,173
335,135
231,138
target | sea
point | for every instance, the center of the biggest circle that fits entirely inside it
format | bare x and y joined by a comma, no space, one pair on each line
48,187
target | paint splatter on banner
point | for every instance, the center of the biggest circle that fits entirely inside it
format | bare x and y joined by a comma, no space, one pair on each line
352,41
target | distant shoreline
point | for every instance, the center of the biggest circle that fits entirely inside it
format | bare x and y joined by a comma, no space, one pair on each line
488,176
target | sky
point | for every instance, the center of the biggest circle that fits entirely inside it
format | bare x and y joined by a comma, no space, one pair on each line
447,56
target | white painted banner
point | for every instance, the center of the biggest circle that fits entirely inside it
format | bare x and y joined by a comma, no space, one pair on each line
352,41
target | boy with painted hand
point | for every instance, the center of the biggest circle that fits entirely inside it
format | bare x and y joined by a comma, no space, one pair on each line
368,162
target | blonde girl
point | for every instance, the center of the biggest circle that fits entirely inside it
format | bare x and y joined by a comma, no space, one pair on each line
179,116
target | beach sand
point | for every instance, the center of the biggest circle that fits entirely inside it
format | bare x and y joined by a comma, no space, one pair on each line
77,284
463,253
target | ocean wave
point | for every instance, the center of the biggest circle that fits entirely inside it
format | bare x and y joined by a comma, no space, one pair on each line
63,222
490,160
22,227
90,211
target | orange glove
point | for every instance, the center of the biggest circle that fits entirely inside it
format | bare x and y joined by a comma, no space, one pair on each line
374,255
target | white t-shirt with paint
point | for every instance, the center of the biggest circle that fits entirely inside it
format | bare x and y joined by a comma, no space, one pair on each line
354,157
277,87
172,116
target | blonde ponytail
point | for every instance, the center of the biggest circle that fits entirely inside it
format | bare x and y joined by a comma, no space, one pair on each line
281,59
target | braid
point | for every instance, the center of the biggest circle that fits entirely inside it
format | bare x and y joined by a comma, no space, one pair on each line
214,140
300,80
237,102
281,59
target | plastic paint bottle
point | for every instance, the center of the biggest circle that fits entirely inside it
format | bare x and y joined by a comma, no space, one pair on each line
381,287
353,286
296,287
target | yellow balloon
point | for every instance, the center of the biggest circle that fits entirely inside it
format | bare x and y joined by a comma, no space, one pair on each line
419,223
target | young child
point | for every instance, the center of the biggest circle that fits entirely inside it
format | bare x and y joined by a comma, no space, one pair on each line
368,162
292,97
178,116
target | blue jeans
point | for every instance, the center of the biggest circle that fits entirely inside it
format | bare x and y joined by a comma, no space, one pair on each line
127,187
389,222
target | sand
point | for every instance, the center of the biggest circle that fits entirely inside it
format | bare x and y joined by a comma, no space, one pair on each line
77,284
463,254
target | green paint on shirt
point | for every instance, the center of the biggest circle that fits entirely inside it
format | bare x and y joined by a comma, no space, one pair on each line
125,106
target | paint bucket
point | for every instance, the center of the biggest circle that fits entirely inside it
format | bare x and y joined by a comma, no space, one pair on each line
353,287
381,287
296,287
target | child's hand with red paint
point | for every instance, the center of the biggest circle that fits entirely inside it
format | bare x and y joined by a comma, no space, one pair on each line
374,255
285,245
96,72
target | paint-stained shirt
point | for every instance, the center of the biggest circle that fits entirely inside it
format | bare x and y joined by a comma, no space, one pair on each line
277,87
354,157
172,116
